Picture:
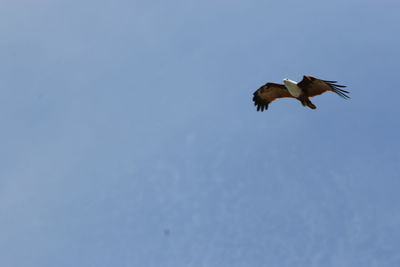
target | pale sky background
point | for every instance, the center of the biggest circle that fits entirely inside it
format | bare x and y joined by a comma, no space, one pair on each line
129,138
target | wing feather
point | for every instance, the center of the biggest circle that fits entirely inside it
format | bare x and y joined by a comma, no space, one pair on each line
268,93
312,86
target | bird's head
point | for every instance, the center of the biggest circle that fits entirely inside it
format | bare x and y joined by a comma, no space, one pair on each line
287,81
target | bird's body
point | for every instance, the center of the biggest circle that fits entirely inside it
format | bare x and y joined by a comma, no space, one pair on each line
303,90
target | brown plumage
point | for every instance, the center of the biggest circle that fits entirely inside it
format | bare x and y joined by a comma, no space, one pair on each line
268,93
308,87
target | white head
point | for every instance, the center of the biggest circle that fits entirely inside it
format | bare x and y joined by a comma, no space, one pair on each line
292,87
289,82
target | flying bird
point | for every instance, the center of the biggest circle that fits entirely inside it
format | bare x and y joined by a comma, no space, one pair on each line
308,87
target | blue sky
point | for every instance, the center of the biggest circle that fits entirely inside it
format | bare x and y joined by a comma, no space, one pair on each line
129,137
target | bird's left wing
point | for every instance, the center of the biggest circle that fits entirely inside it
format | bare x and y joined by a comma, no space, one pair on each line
313,86
268,93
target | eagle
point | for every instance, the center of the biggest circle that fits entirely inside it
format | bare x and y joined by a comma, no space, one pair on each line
302,91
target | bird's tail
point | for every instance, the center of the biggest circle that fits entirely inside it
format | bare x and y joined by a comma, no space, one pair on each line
307,103
311,105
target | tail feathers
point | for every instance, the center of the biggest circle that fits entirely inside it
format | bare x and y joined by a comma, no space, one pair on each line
311,105
307,103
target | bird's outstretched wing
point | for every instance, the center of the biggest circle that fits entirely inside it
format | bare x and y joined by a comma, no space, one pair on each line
268,93
312,86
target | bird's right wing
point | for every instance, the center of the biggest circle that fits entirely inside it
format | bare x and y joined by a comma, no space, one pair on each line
268,93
